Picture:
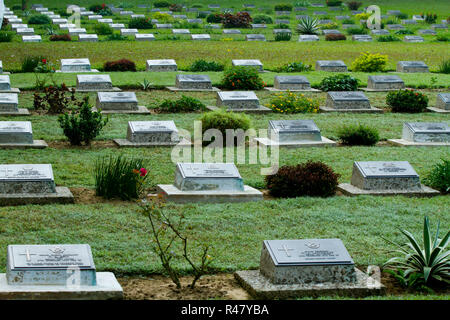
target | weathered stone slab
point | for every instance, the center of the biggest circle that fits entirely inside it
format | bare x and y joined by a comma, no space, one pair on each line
77,31
395,27
238,100
412,66
385,83
144,37
181,31
88,38
117,26
114,101
331,65
248,63
293,131
34,38
193,81
443,101
67,26
9,102
164,26
19,132
408,21
255,37
162,65
5,83
427,32
128,32
75,65
25,31
200,37
231,31
26,178
439,26
362,38
307,37
347,100
105,21
331,31
381,32
98,82
413,39
259,26
157,132
426,132
291,83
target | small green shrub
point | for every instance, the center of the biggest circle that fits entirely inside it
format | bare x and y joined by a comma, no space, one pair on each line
283,36
329,26
83,125
360,30
358,135
121,65
442,38
340,82
29,63
201,65
54,99
184,104
407,101
118,177
429,17
161,4
288,102
439,177
222,120
313,179
6,36
370,62
294,67
348,21
140,23
214,18
176,7
405,31
387,38
262,19
103,29
283,7
333,3
39,19
242,78
116,37
444,67
281,26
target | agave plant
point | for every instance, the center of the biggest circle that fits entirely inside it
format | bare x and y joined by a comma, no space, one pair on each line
308,26
422,265
146,85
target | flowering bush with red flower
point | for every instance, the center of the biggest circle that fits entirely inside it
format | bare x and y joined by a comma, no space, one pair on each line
407,100
101,9
242,78
238,20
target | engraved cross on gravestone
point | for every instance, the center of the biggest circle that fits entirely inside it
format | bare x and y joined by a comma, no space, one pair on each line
286,249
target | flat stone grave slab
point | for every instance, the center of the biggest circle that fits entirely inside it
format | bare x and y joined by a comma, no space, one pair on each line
427,32
380,32
331,31
94,83
194,20
22,184
95,17
413,39
255,37
409,21
208,182
18,135
181,31
55,272
301,16
439,26
117,26
424,134
59,21
418,17
77,31
105,21
231,31
294,134
394,12
88,38
384,83
385,178
259,26
395,27
76,65
136,16
128,32
119,102
297,9
412,66
362,38
15,26
248,63
34,38
331,66
342,17
239,101
306,267
152,134
144,37
320,13
307,37
282,21
67,26
192,82
5,85
442,103
164,26
180,16
291,83
162,65
348,101
25,31
9,105
200,37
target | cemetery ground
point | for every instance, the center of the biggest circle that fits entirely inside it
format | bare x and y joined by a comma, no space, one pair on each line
120,236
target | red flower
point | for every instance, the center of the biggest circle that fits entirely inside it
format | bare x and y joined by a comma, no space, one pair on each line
103,5
143,172
44,61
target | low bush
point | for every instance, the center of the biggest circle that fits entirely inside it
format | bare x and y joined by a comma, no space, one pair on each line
333,3
140,23
39,19
283,36
119,177
262,19
201,65
442,38
5,24
103,29
294,67
335,37
163,17
242,78
60,37
354,5
101,9
184,104
161,4
281,26
313,179
214,18
387,38
120,65
6,36
356,30
362,16
176,7
55,99
402,16
439,177
340,82
238,20
116,37
83,125
288,102
444,67
403,32
29,63
429,17
222,120
329,26
348,21
283,7
370,62
358,135
407,100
